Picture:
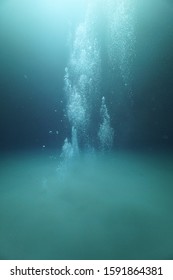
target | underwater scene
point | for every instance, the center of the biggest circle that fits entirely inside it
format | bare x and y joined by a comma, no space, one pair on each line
86,129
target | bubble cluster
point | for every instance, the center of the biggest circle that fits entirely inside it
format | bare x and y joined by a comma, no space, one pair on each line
83,74
105,133
121,36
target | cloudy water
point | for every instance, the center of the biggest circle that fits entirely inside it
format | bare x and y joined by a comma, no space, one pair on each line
86,135
117,206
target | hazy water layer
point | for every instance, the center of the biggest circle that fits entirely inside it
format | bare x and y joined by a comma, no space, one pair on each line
117,206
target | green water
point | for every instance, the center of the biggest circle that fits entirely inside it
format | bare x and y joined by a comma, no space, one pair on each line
117,206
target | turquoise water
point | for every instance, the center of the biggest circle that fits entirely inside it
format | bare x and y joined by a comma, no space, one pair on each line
116,206
86,167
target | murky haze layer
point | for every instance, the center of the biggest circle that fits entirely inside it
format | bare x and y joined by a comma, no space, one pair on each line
117,206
